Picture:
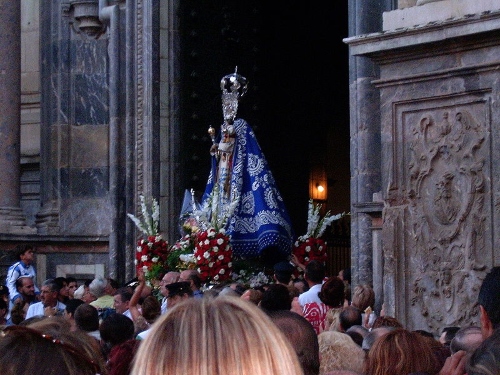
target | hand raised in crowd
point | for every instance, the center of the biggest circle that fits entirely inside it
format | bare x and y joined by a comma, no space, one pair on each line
455,364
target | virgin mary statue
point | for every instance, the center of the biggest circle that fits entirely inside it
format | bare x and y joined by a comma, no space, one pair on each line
243,186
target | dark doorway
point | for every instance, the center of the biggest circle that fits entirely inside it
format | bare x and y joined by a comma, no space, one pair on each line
298,99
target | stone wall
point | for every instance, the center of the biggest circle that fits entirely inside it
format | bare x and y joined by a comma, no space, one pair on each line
439,95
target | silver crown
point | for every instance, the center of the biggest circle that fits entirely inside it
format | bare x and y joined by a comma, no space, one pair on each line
233,87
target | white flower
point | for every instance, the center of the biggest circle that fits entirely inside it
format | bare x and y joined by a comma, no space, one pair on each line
216,277
306,258
206,242
155,260
145,269
188,258
158,238
135,262
215,249
220,241
144,258
198,257
222,231
320,247
206,255
211,264
308,248
221,257
222,271
230,264
150,244
139,249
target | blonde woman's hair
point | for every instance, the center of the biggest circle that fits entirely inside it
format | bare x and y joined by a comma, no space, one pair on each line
222,335
339,352
363,297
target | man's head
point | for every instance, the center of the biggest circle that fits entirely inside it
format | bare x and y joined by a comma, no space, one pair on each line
4,292
25,253
72,286
87,318
447,335
302,336
111,286
283,272
467,339
193,277
26,287
169,278
97,288
121,300
489,302
178,292
71,306
49,293
314,272
348,317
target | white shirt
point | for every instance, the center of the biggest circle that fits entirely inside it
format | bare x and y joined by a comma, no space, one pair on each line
36,309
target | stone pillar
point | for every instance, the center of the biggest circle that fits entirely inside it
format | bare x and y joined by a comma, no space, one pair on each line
365,140
11,216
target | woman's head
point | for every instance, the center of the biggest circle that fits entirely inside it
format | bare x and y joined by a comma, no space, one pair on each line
363,297
28,351
332,292
219,335
400,352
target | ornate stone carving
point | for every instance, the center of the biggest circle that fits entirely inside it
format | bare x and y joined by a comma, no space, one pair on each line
446,196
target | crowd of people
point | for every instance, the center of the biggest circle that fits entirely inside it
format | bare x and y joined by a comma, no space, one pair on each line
312,325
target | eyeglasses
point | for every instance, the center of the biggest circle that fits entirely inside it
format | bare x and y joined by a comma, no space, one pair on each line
20,330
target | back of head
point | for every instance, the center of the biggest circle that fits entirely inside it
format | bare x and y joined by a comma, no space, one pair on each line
485,360
386,321
467,339
373,335
124,293
302,336
332,292
400,352
283,272
363,296
116,328
489,296
315,271
151,309
72,305
98,286
87,318
350,316
276,297
447,334
339,352
28,351
223,335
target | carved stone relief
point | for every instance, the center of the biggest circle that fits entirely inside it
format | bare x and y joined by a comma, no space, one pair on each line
448,171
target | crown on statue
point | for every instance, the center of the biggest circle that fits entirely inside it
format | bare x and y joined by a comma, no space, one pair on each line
233,87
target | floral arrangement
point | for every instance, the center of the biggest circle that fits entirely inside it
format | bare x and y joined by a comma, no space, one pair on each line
310,246
251,279
213,255
152,250
213,252
181,254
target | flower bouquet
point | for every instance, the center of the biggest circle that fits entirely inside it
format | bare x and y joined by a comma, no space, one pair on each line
213,252
311,246
152,250
213,255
